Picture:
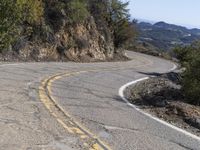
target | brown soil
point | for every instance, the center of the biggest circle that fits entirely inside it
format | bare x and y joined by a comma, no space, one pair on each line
162,97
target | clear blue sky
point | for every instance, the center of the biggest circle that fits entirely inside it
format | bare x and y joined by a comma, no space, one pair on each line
181,12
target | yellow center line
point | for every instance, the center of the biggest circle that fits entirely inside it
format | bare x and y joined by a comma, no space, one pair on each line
64,119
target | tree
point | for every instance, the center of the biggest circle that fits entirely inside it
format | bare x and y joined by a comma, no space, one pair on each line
123,30
117,16
189,57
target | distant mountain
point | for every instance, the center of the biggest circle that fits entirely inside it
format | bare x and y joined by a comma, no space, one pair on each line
165,36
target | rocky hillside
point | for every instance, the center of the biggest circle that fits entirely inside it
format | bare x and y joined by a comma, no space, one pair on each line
74,30
166,36
80,42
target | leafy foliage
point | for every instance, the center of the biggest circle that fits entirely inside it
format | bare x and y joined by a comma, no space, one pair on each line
189,57
12,14
77,11
28,16
10,17
116,14
31,11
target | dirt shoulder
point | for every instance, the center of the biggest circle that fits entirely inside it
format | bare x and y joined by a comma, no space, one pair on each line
161,96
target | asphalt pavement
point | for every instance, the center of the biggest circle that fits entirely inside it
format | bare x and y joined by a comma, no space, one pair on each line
64,106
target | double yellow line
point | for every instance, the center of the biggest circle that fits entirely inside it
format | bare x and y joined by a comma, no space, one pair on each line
88,139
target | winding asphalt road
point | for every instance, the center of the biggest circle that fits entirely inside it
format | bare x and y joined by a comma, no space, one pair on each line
64,106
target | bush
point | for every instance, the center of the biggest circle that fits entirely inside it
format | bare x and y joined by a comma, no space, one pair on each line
116,14
42,17
31,11
77,11
10,17
189,57
14,13
123,30
124,33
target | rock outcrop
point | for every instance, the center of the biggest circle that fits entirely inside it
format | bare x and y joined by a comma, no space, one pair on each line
82,42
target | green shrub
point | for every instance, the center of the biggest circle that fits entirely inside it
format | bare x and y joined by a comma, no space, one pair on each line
189,57
77,11
14,13
31,11
43,17
122,29
116,14
10,17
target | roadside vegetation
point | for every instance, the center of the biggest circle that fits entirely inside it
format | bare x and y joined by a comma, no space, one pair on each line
189,57
33,19
14,13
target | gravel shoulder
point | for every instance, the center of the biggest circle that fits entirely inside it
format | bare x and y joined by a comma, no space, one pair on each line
161,96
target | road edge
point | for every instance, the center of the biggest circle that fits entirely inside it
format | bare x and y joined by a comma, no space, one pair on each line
121,94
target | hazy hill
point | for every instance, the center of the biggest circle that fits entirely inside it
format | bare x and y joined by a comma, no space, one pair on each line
165,36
